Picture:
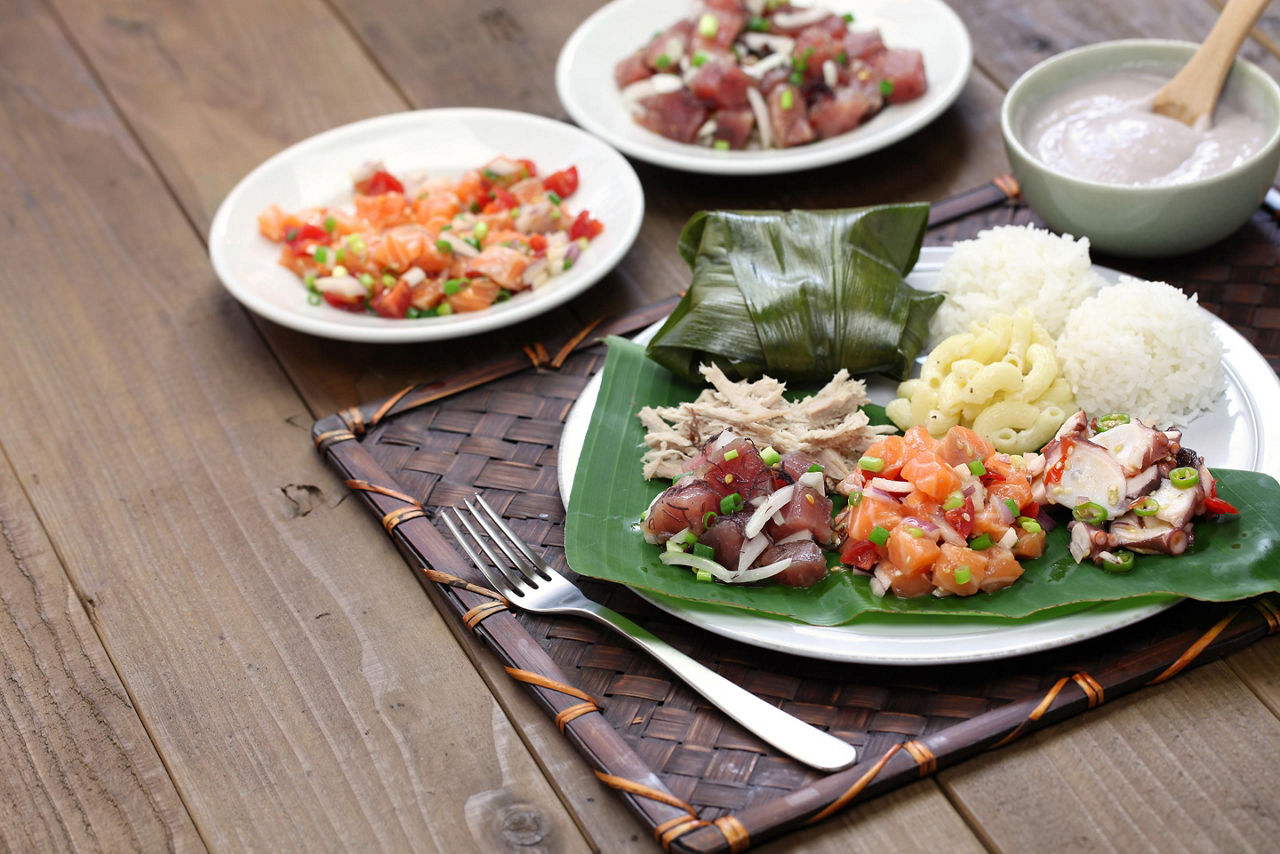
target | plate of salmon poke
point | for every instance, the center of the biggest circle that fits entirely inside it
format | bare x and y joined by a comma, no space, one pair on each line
426,225
906,455
757,86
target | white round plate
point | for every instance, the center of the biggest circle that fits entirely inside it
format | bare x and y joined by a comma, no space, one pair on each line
317,171
585,83
1242,432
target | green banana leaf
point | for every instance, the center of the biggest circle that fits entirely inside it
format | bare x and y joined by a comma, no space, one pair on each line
1233,557
799,294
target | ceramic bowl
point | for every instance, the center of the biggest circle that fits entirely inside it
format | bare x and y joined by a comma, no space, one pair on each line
1142,222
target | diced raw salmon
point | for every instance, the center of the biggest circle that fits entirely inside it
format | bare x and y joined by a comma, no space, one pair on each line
892,450
476,295
990,521
1029,546
872,512
501,264
271,223
911,554
1017,489
951,559
1002,569
426,294
382,211
399,247
961,445
908,585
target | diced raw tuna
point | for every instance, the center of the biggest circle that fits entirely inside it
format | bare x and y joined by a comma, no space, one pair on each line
729,24
737,467
833,24
675,115
808,563
808,510
664,52
904,68
725,538
832,115
721,83
788,116
773,78
734,126
682,506
794,464
863,44
631,69
814,46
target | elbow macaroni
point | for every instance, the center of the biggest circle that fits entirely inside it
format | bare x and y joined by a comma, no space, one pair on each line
1001,378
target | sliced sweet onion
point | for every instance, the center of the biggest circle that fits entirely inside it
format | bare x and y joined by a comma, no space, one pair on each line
697,562
879,582
1003,511
780,45
533,271
775,503
708,128
459,246
760,573
893,487
344,286
881,495
761,111
1081,543
413,276
799,18
751,549
922,523
815,480
830,74
949,534
367,170
801,536
658,84
756,7
504,166
1010,538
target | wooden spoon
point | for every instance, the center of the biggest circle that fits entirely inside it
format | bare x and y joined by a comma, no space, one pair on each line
1189,97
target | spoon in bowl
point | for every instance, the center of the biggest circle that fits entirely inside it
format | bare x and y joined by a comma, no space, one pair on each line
1190,96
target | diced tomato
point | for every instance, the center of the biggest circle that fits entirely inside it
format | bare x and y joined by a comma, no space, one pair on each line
530,170
378,183
351,303
859,553
1214,504
305,236
502,201
961,518
562,183
584,226
538,243
393,302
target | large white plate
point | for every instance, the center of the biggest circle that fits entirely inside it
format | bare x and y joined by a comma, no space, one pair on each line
1243,432
442,142
585,84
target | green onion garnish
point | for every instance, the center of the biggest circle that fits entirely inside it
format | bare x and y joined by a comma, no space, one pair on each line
980,542
886,88
1112,419
758,25
799,63
341,254
452,286
708,26
708,518
720,145
915,532
848,17
310,281
339,270
503,295
1122,561
444,246
954,501
481,231
770,456
700,58
977,468
330,224
963,574
444,309
1148,506
322,255
1031,526
1090,513
796,78
291,235
388,279
1184,477
472,242
366,280
356,243
568,263
412,313
314,299
855,498
730,455
878,535
702,550
871,464
662,63
815,467
842,57
731,503
703,575
554,197
788,99
1012,505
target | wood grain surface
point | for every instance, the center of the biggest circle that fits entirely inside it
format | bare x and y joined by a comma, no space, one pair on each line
205,645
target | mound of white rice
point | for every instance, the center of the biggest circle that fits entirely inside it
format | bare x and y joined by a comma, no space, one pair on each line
1012,267
1143,348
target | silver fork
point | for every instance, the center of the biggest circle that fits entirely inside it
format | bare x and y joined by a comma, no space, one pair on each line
531,583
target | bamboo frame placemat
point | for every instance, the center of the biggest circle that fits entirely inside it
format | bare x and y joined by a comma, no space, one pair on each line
695,778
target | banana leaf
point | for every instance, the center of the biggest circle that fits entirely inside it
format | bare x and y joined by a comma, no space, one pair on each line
1233,557
799,294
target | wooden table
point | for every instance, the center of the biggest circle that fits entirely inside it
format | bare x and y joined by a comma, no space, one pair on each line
205,645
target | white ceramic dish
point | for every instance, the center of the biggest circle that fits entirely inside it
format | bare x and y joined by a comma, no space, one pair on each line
443,142
1242,432
585,84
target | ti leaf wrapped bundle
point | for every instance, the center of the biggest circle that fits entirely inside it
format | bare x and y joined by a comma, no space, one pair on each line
799,294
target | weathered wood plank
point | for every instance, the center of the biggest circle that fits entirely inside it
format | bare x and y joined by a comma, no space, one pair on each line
80,771
298,691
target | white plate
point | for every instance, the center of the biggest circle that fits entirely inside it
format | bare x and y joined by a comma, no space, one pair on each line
442,142
585,83
1242,432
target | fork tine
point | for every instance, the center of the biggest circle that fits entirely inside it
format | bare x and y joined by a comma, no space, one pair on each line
512,536
500,580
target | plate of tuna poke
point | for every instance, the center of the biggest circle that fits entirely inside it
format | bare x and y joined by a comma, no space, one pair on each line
426,225
1001,482
756,87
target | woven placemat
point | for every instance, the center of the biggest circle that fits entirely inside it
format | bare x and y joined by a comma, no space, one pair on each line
698,780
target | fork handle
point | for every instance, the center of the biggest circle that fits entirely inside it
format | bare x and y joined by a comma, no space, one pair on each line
784,731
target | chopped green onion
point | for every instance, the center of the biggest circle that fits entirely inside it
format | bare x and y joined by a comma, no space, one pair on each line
842,57
1123,561
322,255
915,532
720,145
1112,419
788,99
291,235
662,63
412,313
472,242
848,17
796,78
703,575
886,88
702,550
330,224
448,225
731,503
475,207
808,52
977,468
1184,477
366,280
954,501
878,535
1089,512
444,246
444,309
855,498
356,243
770,456
452,286
871,464
554,197
1031,526
1148,506
708,26
730,455
980,542
310,281
503,295
815,467
555,213
568,263
1012,505
339,270
314,299
708,518
676,479
481,231
388,280
799,63
758,25
340,255
700,58
678,542
963,574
